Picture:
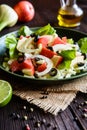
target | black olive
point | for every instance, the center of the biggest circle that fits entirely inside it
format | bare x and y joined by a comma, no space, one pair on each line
58,52
36,76
36,38
37,58
50,48
53,72
32,34
20,58
80,64
85,56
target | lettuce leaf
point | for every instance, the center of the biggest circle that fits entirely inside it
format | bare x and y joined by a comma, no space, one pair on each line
25,31
11,42
68,54
65,64
48,29
83,44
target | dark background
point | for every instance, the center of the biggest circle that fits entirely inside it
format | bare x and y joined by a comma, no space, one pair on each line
46,12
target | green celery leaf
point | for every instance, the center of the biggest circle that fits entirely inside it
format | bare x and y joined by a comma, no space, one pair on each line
83,44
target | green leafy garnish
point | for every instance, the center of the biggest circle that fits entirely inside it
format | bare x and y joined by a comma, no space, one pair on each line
83,44
25,31
65,64
68,54
11,42
48,29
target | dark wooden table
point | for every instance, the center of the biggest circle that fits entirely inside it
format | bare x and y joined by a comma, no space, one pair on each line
70,119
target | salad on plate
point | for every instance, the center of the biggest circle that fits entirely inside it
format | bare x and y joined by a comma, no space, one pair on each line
42,54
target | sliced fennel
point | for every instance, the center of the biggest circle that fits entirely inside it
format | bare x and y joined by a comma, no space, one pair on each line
8,17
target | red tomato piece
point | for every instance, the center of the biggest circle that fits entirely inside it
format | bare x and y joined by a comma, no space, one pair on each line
47,52
42,67
27,64
58,40
64,39
15,66
43,41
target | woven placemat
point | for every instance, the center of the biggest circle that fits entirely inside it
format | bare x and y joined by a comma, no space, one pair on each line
54,98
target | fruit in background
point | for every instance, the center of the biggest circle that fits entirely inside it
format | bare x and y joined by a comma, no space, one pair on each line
25,11
5,93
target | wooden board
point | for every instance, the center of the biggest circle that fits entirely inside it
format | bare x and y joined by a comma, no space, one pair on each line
70,119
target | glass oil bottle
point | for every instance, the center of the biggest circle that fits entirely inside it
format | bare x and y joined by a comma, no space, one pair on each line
70,14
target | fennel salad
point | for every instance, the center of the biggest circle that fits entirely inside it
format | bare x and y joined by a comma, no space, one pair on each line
41,53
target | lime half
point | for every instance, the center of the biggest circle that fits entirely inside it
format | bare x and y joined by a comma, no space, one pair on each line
5,92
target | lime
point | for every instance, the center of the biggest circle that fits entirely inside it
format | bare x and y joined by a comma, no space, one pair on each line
5,92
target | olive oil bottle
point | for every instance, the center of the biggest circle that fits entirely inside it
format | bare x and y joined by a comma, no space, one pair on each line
70,14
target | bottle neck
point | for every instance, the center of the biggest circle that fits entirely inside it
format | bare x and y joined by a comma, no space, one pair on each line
70,2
